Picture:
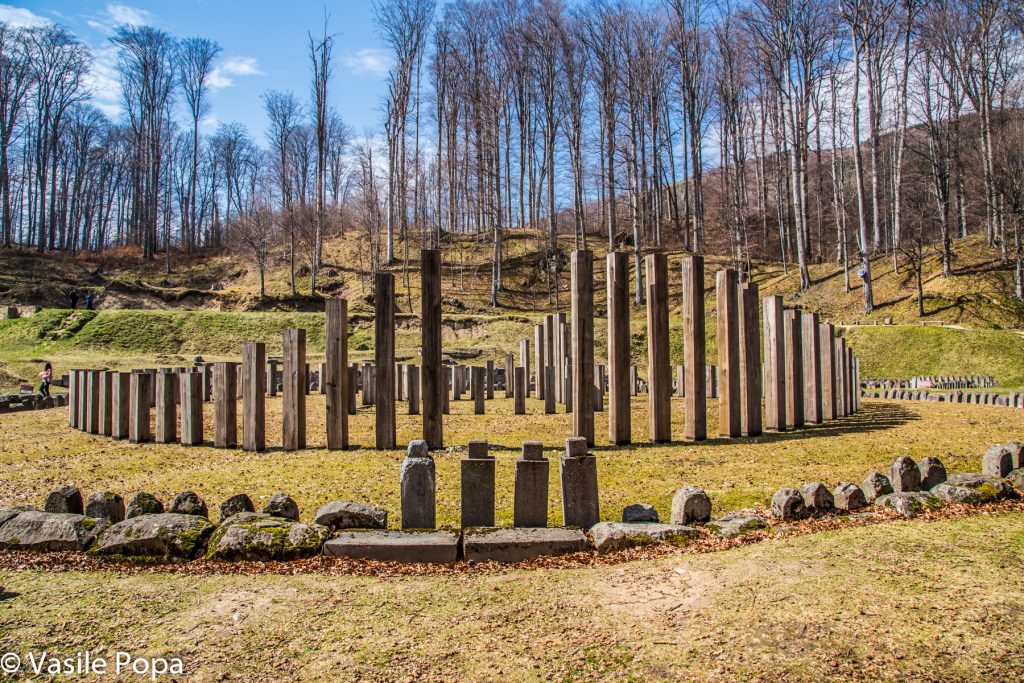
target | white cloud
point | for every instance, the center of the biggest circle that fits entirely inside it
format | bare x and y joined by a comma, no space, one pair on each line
115,14
209,123
369,60
21,17
221,76
104,81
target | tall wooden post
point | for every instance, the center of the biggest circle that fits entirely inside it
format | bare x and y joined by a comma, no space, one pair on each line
434,389
619,414
336,371
659,373
727,296
750,361
121,401
490,380
793,324
582,310
190,386
254,392
74,396
826,346
549,353
92,407
384,355
166,417
412,381
538,359
524,361
106,402
812,367
477,378
271,377
520,398
138,424
293,395
775,354
559,362
225,406
510,382
694,347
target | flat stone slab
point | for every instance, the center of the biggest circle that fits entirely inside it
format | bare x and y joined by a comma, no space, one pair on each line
487,544
611,536
734,525
440,547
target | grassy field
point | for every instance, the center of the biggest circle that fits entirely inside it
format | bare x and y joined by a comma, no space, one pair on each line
923,601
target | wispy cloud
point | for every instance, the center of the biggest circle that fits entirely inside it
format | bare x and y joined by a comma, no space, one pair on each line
115,14
104,81
222,75
21,17
372,61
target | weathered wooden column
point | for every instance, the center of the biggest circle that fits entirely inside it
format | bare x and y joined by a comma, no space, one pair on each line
549,352
538,359
190,387
83,400
121,401
694,347
826,344
207,372
549,398
74,396
775,354
659,373
336,372
225,405
729,414
457,382
166,416
510,381
560,356
434,388
92,406
384,355
750,360
490,380
620,429
254,392
856,380
412,381
840,376
524,361
446,380
582,310
520,397
353,382
138,424
793,325
293,401
812,367
106,402
566,347
478,377
271,377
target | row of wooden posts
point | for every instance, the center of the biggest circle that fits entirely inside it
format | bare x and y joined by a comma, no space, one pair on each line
809,374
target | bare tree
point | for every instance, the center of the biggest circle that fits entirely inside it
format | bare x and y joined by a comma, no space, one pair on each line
284,111
320,59
196,57
16,80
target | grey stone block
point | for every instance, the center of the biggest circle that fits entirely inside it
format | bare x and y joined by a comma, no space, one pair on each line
904,475
639,512
933,472
578,474
612,536
478,490
997,462
531,492
690,505
419,488
517,545
395,546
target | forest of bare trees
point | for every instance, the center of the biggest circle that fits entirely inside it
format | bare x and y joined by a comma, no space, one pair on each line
800,131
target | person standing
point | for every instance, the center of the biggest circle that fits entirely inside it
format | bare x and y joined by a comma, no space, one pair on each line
45,377
88,300
73,298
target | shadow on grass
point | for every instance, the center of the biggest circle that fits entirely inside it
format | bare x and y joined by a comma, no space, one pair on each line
873,417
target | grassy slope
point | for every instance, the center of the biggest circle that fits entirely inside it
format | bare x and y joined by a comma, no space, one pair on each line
904,601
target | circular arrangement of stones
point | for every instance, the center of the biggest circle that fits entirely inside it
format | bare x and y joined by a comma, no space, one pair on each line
103,524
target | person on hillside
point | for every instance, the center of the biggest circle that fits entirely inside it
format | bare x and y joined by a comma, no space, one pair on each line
45,377
89,297
73,298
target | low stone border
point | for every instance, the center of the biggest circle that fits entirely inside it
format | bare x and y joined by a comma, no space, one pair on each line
1012,400
16,403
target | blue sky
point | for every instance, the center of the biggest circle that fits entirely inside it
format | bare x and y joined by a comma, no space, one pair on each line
264,43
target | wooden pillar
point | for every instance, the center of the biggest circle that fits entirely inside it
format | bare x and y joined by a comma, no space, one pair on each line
812,367
694,347
727,295
510,381
293,401
750,360
549,352
271,378
353,382
840,378
490,380
793,325
826,344
412,382
776,380
538,360
384,355
659,373
121,401
106,402
138,424
565,348
225,406
434,389
549,398
582,275
166,416
524,361
680,381
446,375
336,372
190,387
92,407
74,396
254,392
478,378
520,380
620,415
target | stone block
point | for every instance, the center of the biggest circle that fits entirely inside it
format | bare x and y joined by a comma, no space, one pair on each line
690,505
517,545
612,536
419,488
439,547
578,475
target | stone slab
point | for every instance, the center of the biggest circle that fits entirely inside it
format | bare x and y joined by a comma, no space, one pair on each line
440,547
480,544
